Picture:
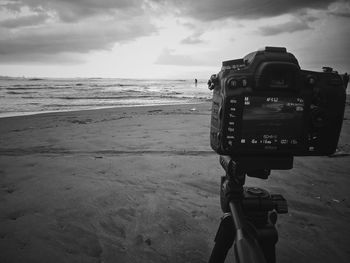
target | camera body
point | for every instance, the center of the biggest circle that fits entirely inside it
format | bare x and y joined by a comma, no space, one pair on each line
265,105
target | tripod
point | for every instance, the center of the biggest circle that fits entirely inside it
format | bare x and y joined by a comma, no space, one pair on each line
250,215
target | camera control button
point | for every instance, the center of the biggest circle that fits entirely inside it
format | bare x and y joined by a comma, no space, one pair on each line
218,136
311,81
294,142
233,83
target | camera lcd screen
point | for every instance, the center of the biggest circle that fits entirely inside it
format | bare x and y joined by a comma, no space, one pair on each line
272,121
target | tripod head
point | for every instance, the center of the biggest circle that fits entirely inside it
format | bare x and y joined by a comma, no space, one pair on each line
238,170
232,186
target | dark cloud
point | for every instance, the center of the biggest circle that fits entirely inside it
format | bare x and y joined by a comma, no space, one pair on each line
341,14
288,27
341,9
208,10
301,21
41,29
79,39
71,11
23,21
13,6
39,58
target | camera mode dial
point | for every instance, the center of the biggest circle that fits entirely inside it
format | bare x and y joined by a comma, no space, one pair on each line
212,82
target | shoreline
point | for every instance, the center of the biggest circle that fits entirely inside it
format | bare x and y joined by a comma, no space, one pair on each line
20,114
200,101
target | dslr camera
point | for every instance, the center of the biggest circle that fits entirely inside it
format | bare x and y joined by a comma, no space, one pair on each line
265,111
265,105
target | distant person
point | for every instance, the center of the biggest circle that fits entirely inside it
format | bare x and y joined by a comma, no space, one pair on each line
345,80
195,82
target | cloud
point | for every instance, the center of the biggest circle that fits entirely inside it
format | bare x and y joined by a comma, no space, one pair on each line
195,59
167,57
208,10
288,27
341,14
340,9
80,38
71,11
65,58
193,39
11,6
43,29
24,21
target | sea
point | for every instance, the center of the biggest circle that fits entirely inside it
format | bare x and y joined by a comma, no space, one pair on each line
26,96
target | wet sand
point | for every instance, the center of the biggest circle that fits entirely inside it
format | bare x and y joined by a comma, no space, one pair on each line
142,185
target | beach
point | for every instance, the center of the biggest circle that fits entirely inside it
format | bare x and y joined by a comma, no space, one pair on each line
141,184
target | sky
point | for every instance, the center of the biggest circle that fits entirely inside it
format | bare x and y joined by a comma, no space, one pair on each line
170,39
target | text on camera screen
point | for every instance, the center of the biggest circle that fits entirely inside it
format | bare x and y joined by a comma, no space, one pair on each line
272,120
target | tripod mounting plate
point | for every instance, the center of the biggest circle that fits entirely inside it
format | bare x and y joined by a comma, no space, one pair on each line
255,191
253,163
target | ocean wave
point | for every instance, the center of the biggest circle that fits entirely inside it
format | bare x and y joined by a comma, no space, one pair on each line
20,86
112,85
56,105
102,97
120,104
35,79
29,97
20,93
31,87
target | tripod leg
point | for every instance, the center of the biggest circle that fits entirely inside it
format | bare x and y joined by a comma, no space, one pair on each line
223,240
268,238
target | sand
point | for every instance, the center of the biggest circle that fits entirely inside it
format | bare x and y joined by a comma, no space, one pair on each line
142,185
